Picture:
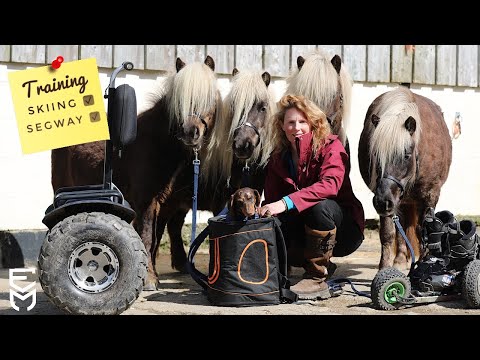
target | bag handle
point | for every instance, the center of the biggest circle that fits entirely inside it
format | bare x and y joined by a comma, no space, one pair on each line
286,295
200,278
282,249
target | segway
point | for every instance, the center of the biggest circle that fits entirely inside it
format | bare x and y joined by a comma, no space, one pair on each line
92,261
449,271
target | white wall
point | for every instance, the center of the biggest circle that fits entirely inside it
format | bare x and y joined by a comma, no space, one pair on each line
25,190
461,192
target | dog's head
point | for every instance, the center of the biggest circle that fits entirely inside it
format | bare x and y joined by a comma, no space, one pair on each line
244,203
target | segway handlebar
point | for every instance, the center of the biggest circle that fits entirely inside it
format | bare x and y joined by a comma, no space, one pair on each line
127,65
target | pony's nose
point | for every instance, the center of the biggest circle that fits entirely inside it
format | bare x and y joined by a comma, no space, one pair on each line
193,132
383,205
388,205
243,149
245,146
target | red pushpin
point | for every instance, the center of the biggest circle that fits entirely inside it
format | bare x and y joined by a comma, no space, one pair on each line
57,62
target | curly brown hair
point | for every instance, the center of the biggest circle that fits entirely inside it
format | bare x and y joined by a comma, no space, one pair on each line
315,117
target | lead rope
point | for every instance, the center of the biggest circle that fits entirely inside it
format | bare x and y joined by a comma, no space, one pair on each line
410,299
400,229
196,172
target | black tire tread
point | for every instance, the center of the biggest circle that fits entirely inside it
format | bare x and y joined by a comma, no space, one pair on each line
470,284
46,262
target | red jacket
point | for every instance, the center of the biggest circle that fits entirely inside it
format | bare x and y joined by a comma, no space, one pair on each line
324,176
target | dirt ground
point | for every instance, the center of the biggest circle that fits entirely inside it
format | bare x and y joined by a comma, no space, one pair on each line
179,294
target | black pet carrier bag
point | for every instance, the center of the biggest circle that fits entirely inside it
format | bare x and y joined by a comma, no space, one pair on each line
248,263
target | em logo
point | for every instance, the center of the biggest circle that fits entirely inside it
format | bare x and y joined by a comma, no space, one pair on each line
23,292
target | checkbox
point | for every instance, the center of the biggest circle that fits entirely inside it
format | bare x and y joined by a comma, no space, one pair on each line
94,116
88,100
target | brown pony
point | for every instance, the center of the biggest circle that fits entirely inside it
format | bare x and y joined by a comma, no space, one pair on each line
327,82
153,168
242,136
404,154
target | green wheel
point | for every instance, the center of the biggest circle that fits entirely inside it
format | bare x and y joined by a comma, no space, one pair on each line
388,286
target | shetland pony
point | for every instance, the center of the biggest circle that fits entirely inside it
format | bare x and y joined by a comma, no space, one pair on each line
325,81
238,152
404,154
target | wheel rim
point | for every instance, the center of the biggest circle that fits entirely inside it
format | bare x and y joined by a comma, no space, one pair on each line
392,291
93,267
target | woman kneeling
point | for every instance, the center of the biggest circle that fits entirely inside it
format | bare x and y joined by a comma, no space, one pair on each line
308,187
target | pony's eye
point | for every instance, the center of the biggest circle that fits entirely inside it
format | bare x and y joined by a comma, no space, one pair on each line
407,156
263,109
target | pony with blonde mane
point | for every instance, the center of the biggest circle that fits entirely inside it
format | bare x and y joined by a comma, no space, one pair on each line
237,154
326,81
404,154
244,135
158,165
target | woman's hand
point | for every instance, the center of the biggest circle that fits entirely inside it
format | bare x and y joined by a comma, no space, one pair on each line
274,208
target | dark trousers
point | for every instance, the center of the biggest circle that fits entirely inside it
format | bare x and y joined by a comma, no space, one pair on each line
325,215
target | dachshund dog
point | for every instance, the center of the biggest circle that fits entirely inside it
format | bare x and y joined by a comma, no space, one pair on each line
244,204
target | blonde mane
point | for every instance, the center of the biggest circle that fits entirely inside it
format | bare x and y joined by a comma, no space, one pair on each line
247,89
318,81
390,138
157,92
192,90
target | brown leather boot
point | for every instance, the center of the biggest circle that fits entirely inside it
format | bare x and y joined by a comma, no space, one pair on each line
317,253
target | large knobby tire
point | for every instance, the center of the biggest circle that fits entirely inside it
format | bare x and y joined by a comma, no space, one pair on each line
471,284
386,284
92,263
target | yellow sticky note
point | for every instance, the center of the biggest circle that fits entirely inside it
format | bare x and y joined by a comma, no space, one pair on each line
59,107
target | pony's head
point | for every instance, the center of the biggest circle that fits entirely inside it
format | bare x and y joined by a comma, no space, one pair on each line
245,130
393,149
193,100
249,106
325,81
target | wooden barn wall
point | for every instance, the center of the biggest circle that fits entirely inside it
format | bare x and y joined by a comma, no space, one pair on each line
445,65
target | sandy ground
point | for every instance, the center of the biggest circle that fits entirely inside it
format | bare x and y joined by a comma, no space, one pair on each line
181,295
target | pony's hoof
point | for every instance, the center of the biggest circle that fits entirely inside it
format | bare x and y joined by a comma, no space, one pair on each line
150,285
180,267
